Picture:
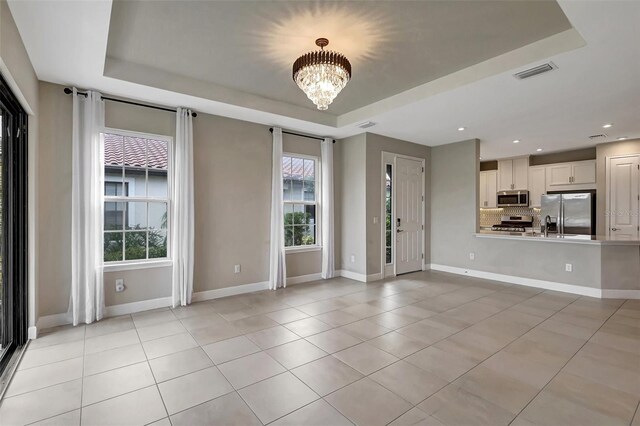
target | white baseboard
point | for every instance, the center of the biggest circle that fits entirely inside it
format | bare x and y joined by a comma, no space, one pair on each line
352,275
529,282
133,307
426,266
375,277
304,278
620,294
229,291
32,332
49,321
55,320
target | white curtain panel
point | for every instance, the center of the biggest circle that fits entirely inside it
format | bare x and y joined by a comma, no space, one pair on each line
277,264
328,267
182,216
87,287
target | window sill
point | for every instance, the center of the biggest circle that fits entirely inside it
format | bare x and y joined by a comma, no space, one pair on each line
302,249
127,266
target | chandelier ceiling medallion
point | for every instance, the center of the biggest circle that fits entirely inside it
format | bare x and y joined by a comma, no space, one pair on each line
322,74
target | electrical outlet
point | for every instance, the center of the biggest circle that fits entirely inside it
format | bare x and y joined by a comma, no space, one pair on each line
472,256
568,267
119,285
375,220
353,258
236,269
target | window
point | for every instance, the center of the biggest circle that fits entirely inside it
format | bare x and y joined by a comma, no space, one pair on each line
300,200
388,215
136,197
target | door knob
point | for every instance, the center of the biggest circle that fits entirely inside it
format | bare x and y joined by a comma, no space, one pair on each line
398,230
614,229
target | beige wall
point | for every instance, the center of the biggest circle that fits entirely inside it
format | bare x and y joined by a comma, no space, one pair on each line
233,192
602,152
232,171
563,157
54,200
376,144
17,70
350,199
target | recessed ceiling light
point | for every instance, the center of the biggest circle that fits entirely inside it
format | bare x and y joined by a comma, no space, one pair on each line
539,149
606,126
516,141
622,138
460,129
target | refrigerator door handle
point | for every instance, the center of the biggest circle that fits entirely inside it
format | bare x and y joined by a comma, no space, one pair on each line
561,218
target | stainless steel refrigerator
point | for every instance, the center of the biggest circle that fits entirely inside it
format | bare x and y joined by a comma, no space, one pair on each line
570,212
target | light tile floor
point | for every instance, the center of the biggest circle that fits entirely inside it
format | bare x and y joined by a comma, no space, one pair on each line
426,348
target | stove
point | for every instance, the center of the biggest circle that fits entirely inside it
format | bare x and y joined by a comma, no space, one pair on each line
514,224
508,228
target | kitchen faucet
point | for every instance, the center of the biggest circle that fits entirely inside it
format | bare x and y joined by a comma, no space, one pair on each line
547,222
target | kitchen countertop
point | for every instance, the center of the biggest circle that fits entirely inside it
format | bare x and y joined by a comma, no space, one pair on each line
571,239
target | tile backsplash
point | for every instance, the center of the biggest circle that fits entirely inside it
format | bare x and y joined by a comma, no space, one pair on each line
490,217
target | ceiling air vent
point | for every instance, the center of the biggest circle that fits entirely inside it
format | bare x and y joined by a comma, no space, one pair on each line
535,71
600,136
366,124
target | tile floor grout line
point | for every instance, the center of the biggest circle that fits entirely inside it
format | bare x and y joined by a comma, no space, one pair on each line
568,361
494,290
155,381
279,374
501,349
635,413
434,343
402,359
84,352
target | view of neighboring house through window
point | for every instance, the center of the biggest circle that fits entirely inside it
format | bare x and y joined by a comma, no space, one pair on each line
300,200
388,215
136,194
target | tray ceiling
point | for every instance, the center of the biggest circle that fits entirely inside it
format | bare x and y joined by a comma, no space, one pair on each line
242,50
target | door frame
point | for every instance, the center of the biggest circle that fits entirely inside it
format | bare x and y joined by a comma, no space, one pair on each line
16,255
608,187
389,270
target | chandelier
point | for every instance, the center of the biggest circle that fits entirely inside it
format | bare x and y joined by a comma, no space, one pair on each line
322,74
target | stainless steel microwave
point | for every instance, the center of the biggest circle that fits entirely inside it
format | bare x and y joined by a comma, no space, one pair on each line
513,199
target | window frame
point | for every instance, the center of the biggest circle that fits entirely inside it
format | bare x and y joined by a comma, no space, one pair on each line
392,213
120,265
317,203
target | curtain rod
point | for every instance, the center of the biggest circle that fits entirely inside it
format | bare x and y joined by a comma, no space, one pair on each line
68,91
300,134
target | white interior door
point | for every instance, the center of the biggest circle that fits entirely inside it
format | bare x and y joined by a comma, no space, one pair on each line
409,219
623,209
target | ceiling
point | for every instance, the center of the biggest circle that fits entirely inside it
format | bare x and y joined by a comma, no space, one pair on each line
459,77
250,46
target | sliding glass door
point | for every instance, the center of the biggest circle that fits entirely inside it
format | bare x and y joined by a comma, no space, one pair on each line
13,224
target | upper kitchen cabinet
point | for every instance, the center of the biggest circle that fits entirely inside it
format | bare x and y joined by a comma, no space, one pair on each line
537,185
488,188
568,176
513,174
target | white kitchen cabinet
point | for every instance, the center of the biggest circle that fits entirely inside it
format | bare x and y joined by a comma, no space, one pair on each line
488,188
537,185
559,174
569,176
584,172
513,174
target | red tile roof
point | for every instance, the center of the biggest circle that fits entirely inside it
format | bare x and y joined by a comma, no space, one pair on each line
137,152
294,167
